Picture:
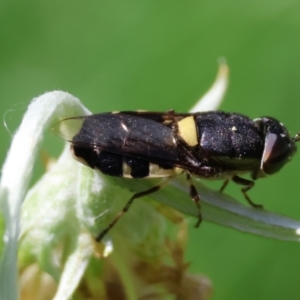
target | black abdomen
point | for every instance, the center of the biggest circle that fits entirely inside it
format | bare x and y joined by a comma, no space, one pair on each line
118,165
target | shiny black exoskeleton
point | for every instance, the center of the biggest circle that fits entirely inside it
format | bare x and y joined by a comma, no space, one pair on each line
231,143
211,145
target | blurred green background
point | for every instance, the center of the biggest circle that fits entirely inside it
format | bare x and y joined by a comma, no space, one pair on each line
158,55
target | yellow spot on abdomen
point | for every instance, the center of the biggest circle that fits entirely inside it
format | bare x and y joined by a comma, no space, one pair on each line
187,131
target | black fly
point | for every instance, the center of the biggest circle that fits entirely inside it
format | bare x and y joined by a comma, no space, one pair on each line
211,145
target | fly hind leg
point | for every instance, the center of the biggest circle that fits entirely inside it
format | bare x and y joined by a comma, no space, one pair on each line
155,188
225,183
195,196
248,184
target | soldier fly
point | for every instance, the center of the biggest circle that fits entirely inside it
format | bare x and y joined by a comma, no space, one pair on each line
210,145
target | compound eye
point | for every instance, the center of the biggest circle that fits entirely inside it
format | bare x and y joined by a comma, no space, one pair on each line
276,153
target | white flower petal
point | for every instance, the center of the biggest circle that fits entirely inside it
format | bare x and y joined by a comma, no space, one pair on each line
75,267
213,98
17,171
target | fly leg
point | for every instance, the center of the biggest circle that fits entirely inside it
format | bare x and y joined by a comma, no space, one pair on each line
248,184
224,185
196,198
127,206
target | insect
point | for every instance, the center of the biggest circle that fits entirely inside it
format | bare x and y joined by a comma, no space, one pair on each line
211,145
